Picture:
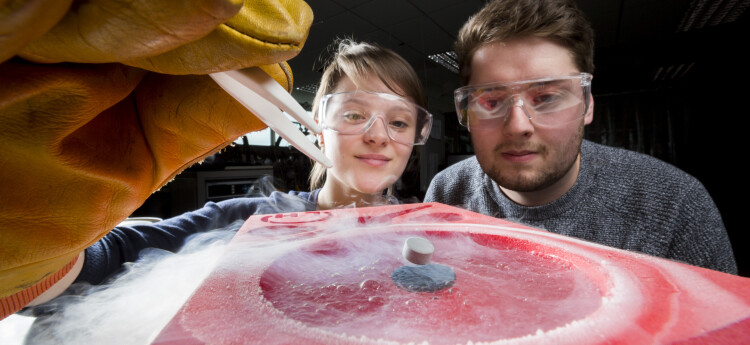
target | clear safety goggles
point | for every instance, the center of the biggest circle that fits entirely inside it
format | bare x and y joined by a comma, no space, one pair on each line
356,112
549,101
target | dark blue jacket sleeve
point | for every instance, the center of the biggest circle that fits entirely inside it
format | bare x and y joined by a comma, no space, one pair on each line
124,243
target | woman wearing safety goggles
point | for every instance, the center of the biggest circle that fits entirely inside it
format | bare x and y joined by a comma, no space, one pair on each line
370,112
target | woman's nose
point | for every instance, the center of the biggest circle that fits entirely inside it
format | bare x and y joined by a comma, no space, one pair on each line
378,132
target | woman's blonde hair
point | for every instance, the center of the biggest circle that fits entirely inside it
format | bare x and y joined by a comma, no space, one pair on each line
358,61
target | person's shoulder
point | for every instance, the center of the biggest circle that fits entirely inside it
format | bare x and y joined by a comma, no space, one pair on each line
244,206
297,193
635,168
464,168
294,201
626,159
456,181
256,200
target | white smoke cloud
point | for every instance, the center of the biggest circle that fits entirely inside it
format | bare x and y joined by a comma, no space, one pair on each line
135,306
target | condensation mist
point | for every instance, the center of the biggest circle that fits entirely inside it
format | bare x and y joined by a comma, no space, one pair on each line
134,306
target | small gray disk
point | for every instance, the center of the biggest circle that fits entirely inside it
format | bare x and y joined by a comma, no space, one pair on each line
424,278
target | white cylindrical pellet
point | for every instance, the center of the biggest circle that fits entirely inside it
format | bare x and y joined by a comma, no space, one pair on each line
418,250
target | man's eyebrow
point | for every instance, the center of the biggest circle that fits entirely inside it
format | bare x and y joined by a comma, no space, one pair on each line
553,82
481,90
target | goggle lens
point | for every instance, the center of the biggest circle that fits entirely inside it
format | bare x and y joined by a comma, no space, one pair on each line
355,112
547,101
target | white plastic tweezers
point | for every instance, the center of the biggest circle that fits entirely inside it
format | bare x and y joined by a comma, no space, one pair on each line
263,96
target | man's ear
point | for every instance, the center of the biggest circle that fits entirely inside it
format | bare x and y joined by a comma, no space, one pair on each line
590,112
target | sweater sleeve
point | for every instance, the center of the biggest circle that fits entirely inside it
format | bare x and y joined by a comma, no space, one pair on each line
702,240
124,243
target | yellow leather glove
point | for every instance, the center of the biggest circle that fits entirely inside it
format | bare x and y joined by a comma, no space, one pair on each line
111,103
24,21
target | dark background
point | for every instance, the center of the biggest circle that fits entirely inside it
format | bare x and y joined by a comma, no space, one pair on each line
669,81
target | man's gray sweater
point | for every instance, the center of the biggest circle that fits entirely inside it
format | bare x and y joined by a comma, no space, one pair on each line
621,199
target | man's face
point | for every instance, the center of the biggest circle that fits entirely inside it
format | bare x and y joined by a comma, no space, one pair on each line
518,154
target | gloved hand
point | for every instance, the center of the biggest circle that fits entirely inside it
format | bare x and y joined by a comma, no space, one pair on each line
106,101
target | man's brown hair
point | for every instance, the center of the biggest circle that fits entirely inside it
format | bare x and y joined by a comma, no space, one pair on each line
502,20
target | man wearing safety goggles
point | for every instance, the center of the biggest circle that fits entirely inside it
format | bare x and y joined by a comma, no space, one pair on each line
527,68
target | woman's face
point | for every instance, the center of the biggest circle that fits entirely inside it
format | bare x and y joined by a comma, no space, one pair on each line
366,163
